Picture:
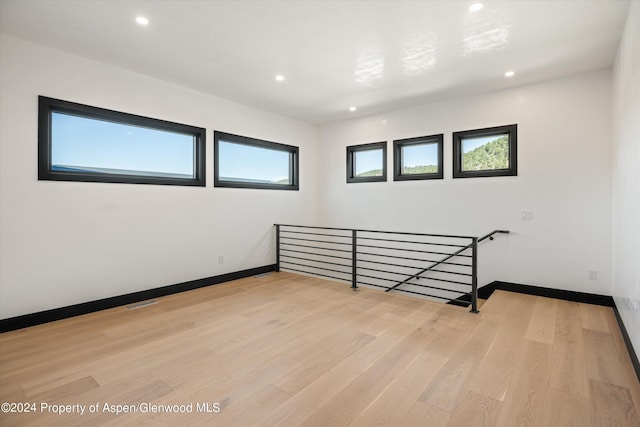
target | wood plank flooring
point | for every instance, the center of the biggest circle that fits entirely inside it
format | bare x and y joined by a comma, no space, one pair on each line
288,350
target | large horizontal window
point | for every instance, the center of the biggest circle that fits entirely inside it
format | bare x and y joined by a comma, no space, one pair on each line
367,162
243,162
81,143
486,152
417,158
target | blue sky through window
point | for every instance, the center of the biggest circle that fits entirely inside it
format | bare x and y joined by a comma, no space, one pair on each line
367,160
242,162
85,143
419,155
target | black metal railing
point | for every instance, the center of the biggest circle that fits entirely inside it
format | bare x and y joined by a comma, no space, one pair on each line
439,266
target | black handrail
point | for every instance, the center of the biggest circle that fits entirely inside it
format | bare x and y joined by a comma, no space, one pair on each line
469,246
490,235
359,259
473,246
405,233
435,264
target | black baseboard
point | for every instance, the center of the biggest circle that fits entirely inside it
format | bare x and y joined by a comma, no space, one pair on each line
33,319
595,299
632,354
486,291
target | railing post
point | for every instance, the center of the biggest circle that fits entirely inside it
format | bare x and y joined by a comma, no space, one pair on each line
474,275
354,251
277,247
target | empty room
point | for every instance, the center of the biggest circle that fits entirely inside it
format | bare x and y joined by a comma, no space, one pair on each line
319,213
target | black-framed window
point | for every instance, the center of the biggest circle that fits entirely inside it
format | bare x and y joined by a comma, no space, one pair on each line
243,162
417,158
367,162
78,142
486,152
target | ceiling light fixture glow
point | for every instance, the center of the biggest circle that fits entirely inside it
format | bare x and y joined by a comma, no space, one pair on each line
142,20
475,7
352,109
279,78
509,73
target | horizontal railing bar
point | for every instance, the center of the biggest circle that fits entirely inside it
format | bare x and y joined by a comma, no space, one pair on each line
414,259
380,271
404,274
377,278
312,240
316,274
313,260
410,250
472,246
314,247
315,234
453,272
413,284
409,241
311,253
402,233
319,268
412,266
444,280
314,227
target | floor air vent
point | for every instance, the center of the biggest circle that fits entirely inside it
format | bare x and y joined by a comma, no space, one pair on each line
142,304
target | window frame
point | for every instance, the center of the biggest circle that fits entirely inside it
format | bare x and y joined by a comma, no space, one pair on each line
47,106
294,162
398,144
353,149
512,170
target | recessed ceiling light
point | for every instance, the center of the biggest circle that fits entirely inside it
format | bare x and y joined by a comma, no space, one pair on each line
352,108
509,73
142,20
475,7
279,78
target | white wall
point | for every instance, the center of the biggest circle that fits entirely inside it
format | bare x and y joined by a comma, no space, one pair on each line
66,242
564,177
626,178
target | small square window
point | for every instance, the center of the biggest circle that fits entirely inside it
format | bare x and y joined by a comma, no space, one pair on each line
485,152
417,158
367,162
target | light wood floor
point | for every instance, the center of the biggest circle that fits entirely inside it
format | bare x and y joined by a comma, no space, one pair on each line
286,350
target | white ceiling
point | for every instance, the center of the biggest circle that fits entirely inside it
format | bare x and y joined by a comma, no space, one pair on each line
375,55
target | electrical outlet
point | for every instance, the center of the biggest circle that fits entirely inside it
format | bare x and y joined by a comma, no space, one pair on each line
593,275
526,215
221,259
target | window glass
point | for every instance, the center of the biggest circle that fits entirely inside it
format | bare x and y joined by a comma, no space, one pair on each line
244,162
417,158
485,153
78,142
89,145
368,163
